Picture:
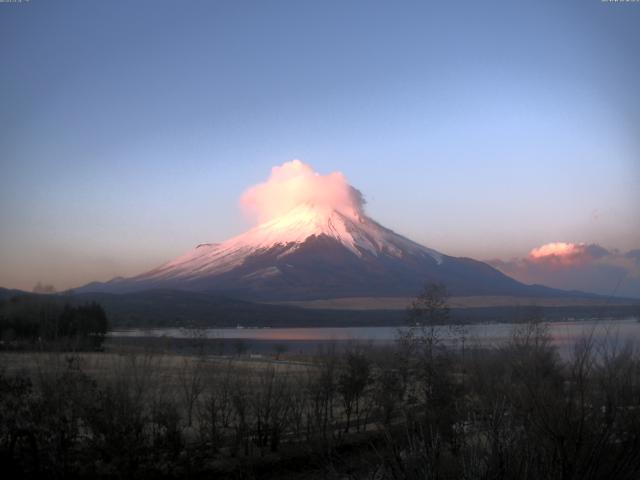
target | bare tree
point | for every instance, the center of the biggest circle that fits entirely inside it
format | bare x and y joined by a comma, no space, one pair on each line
192,384
240,398
352,381
428,311
322,391
240,347
279,349
270,407
216,408
431,307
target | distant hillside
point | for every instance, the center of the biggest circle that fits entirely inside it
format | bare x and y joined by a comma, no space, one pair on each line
165,308
177,308
400,303
6,293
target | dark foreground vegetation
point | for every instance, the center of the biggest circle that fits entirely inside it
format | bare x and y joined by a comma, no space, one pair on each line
50,322
416,410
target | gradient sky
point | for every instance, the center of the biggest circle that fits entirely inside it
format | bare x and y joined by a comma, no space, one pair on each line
129,130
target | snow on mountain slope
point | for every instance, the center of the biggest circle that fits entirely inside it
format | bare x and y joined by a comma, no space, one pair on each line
356,232
315,241
314,252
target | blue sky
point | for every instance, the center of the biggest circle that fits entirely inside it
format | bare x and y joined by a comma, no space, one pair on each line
129,130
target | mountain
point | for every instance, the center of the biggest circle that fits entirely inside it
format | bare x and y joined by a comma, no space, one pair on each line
180,308
6,293
313,252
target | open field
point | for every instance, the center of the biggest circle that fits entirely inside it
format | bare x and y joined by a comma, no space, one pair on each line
166,368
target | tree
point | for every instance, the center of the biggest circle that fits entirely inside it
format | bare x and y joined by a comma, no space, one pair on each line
240,347
431,307
279,349
354,378
36,318
44,288
192,383
429,310
429,366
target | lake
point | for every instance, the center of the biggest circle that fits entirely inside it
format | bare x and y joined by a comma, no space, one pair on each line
564,335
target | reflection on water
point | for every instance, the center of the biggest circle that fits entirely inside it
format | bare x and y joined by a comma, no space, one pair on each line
563,334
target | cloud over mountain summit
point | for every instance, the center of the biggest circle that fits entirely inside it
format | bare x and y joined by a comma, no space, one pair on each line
295,183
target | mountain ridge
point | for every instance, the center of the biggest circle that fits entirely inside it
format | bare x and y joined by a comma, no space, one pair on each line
316,252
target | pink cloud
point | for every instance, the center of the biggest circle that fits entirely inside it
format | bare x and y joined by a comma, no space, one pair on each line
295,183
577,266
563,253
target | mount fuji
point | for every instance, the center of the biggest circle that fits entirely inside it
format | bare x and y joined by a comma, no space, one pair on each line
316,251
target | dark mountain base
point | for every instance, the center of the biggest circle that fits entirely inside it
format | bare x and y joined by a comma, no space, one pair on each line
177,308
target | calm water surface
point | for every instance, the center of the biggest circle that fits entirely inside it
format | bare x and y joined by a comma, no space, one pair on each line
563,334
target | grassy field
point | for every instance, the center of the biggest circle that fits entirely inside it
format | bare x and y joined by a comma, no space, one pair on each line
167,371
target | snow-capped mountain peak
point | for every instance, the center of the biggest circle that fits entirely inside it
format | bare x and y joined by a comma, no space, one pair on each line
353,230
315,241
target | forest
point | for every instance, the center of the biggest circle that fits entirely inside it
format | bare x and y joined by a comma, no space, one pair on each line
51,322
412,410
